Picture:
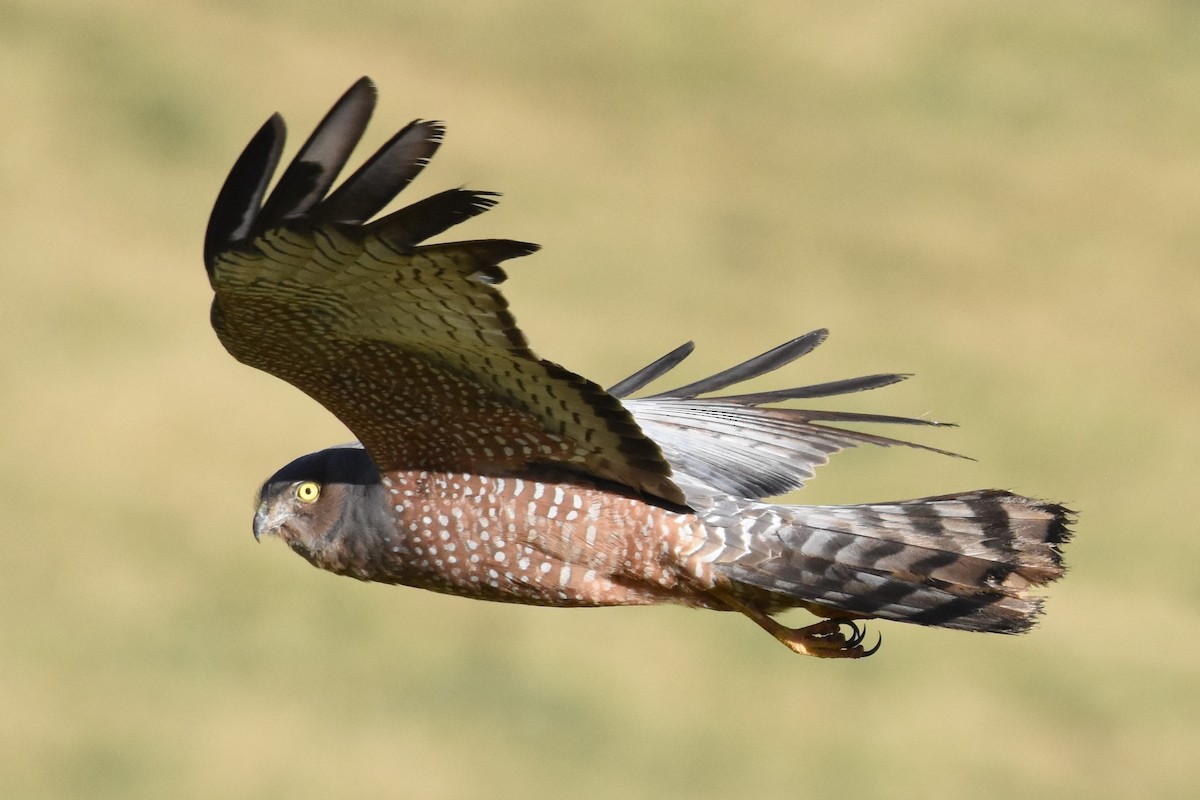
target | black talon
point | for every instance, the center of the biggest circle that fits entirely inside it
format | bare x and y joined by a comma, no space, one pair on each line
857,634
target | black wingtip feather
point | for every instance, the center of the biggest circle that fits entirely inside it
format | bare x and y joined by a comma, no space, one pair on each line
856,416
652,371
321,158
845,386
427,218
236,208
384,175
299,196
761,364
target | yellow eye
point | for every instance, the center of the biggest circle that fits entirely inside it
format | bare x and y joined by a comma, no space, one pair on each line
308,492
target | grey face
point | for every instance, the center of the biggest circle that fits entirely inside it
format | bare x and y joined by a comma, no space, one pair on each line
308,503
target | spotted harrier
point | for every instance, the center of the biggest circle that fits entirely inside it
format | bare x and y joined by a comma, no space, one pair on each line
484,471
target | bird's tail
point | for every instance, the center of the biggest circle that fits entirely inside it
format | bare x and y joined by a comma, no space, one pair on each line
965,561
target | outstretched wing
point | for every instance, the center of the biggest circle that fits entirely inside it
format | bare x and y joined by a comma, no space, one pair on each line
731,444
410,345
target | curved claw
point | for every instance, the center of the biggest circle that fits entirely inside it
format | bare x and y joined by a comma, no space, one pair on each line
823,639
855,642
857,634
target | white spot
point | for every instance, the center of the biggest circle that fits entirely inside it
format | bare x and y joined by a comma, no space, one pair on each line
564,576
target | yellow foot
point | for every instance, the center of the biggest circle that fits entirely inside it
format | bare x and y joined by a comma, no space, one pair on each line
825,639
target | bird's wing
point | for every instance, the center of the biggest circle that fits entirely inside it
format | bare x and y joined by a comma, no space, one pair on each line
410,345
732,444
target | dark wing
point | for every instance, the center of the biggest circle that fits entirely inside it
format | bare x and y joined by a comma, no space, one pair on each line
731,444
410,345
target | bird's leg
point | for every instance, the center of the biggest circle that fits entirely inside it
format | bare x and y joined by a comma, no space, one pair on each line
823,639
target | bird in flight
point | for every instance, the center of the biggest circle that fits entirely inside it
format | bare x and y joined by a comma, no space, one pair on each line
484,471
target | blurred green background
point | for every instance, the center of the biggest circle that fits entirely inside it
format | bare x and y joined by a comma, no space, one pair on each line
1001,197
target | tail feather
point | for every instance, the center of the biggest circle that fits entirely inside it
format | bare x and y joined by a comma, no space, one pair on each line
964,561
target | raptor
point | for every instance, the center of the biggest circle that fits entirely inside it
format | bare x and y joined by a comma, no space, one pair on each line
484,471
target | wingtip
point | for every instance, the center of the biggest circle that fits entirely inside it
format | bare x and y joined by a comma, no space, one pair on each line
239,201
652,371
761,364
362,90
817,336
517,249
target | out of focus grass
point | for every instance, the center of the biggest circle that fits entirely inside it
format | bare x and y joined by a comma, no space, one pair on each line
1001,197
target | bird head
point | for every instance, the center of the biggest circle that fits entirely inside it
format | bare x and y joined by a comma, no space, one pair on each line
316,500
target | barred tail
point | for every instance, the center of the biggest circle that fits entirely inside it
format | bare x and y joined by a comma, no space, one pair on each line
965,561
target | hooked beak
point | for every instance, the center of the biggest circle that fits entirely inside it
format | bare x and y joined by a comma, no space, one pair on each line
265,523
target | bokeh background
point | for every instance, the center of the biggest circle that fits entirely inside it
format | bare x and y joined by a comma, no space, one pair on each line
1002,197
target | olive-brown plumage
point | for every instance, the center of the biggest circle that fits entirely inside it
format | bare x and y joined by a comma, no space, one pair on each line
484,471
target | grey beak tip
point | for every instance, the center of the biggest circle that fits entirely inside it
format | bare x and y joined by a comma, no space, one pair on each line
260,518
